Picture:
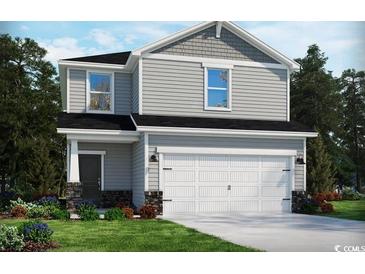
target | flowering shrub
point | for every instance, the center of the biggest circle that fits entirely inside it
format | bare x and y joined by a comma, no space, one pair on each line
327,208
19,211
60,214
128,212
114,214
20,202
319,197
87,211
147,212
36,232
36,212
10,240
49,201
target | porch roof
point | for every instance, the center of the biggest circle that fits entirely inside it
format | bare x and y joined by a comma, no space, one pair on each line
95,121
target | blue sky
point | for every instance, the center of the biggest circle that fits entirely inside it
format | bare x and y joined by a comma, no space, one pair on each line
343,42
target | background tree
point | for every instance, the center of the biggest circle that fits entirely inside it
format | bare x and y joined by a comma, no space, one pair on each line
320,173
29,103
352,135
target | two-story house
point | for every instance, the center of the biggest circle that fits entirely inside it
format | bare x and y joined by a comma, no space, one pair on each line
195,123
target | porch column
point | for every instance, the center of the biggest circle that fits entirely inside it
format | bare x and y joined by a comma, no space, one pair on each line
74,176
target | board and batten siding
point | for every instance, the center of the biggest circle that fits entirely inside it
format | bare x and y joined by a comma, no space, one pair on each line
221,142
117,164
176,88
135,89
138,159
122,92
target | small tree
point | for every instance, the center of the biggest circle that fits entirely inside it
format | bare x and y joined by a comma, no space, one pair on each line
320,168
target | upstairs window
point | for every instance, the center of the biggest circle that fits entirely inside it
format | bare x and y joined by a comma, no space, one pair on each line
217,89
100,92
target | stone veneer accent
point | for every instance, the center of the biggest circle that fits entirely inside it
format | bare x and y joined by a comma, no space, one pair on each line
154,198
110,198
73,195
107,199
298,198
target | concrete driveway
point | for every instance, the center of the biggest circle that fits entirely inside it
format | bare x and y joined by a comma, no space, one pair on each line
281,232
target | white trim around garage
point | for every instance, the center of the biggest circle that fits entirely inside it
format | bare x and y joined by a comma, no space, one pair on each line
227,151
305,163
224,132
102,156
146,161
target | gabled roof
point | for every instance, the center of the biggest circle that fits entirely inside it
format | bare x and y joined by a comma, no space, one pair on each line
117,58
217,123
281,58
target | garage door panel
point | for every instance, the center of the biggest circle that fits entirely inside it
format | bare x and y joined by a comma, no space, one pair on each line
245,161
179,192
245,206
213,176
275,191
179,207
213,206
173,176
244,176
275,162
244,191
212,191
178,160
275,205
213,161
274,176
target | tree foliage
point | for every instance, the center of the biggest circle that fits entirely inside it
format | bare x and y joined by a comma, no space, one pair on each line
29,103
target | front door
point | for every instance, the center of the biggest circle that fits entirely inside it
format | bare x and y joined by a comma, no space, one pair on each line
90,176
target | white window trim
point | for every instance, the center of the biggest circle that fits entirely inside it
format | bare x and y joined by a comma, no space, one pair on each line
112,93
102,154
229,87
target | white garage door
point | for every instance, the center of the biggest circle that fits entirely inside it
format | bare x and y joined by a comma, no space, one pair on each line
200,184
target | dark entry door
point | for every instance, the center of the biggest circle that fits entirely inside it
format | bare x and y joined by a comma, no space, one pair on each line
90,176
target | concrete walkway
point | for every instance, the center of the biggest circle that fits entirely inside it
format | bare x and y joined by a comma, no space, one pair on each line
281,232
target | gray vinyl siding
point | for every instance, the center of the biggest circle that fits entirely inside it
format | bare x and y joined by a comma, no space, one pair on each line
177,88
117,164
122,93
222,142
205,44
77,90
135,89
138,172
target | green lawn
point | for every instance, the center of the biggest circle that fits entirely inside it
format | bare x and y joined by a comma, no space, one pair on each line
137,235
353,210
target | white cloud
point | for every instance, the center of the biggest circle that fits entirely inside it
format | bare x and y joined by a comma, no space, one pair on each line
61,48
104,38
24,27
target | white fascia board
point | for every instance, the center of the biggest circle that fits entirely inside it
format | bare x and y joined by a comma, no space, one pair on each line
226,151
173,37
94,138
92,65
217,65
214,61
97,132
226,132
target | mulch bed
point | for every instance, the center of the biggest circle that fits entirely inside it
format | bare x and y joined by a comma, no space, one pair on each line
39,247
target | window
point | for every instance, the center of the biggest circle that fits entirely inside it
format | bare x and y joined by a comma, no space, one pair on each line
217,89
100,92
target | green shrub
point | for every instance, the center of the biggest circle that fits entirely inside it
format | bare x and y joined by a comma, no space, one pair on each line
10,239
349,194
114,214
36,231
60,214
36,212
20,202
87,211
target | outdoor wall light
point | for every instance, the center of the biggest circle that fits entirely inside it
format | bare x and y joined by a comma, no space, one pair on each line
300,160
153,158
